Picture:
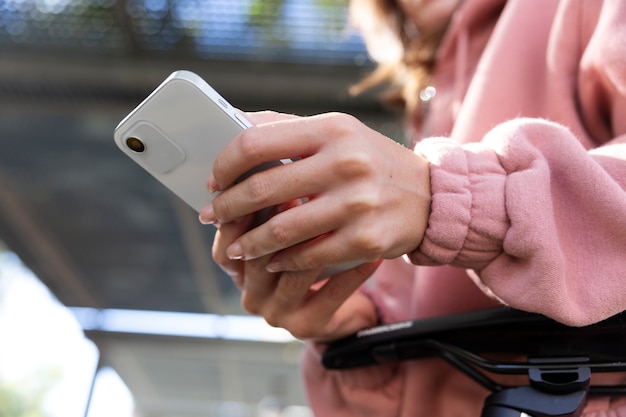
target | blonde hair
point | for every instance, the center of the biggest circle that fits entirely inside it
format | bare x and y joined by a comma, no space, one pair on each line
405,57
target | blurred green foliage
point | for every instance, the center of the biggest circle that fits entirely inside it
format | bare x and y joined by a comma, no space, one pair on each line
264,13
25,399
13,403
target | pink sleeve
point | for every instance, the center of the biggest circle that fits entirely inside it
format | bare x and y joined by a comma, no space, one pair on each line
535,210
540,220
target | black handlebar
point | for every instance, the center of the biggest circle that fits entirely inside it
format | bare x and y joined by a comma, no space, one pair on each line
559,359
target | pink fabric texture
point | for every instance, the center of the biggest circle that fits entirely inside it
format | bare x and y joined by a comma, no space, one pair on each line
528,175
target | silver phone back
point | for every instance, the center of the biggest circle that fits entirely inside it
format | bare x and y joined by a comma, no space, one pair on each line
184,124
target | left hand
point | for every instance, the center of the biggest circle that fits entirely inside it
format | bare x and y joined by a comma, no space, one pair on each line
312,310
368,196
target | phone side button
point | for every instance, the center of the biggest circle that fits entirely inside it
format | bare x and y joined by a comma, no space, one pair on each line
242,121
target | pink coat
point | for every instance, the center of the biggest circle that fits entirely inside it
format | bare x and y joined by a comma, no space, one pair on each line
528,177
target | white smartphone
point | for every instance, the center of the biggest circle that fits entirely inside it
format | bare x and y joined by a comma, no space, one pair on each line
177,132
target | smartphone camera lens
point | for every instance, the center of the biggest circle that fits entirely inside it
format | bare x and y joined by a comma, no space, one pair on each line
135,144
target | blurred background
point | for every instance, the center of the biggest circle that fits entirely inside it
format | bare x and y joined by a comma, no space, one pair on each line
110,303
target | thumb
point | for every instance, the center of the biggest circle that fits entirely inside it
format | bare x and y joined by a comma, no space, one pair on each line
356,311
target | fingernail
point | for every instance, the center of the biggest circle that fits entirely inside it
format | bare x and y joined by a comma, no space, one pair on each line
212,185
273,267
235,252
207,215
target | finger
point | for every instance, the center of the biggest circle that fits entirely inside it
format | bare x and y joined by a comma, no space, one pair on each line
290,138
266,116
289,182
324,315
317,217
224,237
253,147
297,225
291,291
335,248
235,270
356,313
339,287
258,286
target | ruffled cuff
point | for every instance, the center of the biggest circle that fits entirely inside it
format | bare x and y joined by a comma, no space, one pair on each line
468,218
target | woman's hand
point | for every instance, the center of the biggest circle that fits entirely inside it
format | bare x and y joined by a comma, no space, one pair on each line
367,196
294,301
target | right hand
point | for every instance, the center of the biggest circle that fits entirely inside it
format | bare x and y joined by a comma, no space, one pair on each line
368,196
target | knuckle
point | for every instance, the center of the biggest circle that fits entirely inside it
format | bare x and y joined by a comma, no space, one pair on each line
338,290
347,126
258,188
355,164
278,233
249,304
367,242
223,210
220,168
272,319
362,203
303,329
250,143
307,261
345,123
357,161
277,318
